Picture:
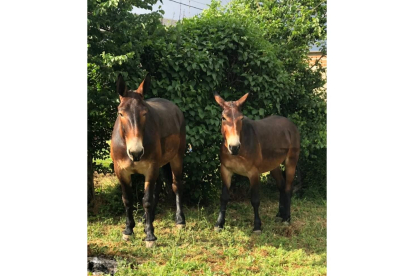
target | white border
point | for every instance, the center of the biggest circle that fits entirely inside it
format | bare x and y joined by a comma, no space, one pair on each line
370,137
44,127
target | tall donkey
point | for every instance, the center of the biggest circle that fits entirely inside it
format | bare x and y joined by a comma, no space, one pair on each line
251,148
147,134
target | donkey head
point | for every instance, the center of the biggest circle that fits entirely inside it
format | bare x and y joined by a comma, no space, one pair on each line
132,113
231,122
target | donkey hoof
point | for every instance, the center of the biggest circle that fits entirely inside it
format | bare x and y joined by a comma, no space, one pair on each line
126,237
150,244
278,219
257,232
217,229
180,226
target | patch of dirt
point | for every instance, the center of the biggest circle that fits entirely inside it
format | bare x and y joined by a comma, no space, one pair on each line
99,179
263,253
322,221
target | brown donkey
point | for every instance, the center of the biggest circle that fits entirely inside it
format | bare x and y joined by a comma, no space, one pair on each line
147,134
251,148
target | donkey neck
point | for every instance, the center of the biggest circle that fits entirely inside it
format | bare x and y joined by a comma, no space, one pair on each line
248,137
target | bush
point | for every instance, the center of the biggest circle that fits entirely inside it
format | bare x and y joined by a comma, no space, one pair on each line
230,51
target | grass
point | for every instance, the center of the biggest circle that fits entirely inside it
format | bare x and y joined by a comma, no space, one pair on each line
298,249
105,162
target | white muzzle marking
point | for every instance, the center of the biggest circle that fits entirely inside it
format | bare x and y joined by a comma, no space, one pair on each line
134,145
233,140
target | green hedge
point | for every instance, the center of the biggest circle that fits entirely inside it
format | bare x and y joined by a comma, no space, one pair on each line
227,51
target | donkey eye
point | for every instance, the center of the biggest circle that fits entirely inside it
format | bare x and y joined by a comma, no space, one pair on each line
120,114
223,118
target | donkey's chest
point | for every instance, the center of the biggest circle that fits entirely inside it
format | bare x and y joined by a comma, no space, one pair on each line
127,166
141,167
237,164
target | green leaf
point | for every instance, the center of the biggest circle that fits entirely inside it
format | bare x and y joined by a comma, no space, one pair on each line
261,112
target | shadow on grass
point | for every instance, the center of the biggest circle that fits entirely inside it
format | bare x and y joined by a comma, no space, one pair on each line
108,204
306,231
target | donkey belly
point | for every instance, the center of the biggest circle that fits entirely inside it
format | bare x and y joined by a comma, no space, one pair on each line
169,148
271,159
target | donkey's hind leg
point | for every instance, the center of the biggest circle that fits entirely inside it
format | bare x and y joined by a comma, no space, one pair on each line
280,182
255,200
286,191
178,186
158,187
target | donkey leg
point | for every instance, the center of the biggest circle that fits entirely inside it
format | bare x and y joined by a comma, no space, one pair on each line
127,198
286,194
167,174
255,200
178,186
280,182
158,184
225,196
148,203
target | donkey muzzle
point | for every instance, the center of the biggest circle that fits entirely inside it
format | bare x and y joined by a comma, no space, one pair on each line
234,150
136,155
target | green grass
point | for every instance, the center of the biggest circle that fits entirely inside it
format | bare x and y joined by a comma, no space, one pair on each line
298,249
106,162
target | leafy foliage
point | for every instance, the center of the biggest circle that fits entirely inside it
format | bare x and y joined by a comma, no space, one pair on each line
230,50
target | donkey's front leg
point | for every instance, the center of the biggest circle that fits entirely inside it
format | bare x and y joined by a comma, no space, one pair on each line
148,204
126,186
255,200
158,186
225,196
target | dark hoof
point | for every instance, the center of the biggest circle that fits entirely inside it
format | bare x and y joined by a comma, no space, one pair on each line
257,232
278,219
180,220
150,238
128,232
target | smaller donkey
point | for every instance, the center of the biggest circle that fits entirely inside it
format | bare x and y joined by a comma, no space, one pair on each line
251,148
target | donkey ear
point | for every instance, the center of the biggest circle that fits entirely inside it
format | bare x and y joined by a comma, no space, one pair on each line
240,101
219,99
121,86
145,85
